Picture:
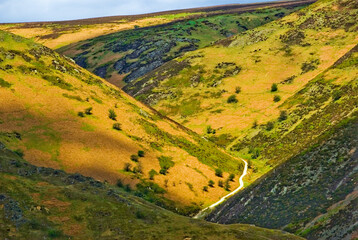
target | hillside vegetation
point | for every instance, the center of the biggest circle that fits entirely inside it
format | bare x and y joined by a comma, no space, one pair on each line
43,203
125,56
61,33
61,116
233,90
314,193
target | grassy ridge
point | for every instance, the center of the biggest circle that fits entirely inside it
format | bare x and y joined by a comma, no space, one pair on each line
61,116
317,142
129,55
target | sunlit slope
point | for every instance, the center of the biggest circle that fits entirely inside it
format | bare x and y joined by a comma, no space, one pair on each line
61,33
125,56
229,86
63,117
314,192
42,203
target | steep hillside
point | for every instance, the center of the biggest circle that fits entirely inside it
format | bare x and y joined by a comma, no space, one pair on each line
225,91
61,116
58,34
131,54
42,203
315,193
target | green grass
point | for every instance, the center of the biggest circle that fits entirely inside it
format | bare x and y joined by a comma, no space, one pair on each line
4,83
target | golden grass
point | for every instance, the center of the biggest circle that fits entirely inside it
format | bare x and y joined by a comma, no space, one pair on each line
54,136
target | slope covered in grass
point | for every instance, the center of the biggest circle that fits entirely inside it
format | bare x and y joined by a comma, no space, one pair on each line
61,33
226,91
61,116
125,56
43,203
314,193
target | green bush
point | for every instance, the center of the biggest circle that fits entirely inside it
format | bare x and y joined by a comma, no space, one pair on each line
276,98
218,172
117,126
205,188
220,183
134,158
238,90
81,114
112,114
283,116
274,87
119,183
88,111
141,153
54,233
270,125
231,177
232,99
227,185
127,167
255,124
211,183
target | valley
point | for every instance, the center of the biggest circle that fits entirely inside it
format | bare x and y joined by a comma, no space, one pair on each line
227,122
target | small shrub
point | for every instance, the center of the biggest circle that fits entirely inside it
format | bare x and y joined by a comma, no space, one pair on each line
276,98
134,158
232,99
270,125
227,185
141,153
211,183
19,152
274,87
127,188
163,171
117,126
119,183
283,116
231,177
81,114
205,188
54,233
220,183
127,167
238,90
138,169
209,130
140,215
255,124
88,111
336,95
112,114
218,172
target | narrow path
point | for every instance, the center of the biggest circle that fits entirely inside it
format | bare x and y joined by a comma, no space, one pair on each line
207,210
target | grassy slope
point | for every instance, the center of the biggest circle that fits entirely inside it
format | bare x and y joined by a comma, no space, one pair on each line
61,33
42,203
314,193
42,93
131,54
194,89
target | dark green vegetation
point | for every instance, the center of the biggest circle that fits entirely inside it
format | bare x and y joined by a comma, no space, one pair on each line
314,193
83,208
134,53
